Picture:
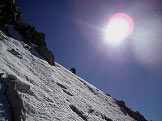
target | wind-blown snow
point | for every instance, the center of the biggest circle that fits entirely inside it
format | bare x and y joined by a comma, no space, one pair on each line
55,93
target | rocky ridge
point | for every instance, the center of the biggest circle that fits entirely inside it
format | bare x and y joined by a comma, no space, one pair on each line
9,15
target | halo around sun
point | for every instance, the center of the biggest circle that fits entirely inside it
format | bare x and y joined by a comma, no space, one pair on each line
119,27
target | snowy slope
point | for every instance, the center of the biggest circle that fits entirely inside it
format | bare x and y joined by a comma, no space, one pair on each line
55,93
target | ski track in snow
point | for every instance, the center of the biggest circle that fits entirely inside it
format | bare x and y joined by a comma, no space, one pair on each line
56,94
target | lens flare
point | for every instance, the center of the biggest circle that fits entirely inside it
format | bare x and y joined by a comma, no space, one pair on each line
120,26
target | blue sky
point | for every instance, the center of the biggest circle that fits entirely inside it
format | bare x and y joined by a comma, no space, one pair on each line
129,72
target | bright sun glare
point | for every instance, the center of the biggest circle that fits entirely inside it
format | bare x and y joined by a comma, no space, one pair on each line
120,26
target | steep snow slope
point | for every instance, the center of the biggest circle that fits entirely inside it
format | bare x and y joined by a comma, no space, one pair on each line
55,93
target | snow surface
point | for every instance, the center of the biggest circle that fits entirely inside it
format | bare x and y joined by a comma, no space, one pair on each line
55,93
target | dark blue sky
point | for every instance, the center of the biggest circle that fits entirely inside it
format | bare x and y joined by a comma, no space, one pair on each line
131,72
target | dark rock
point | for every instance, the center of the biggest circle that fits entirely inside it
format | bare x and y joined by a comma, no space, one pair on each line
106,118
18,17
80,113
1,74
108,95
136,115
2,37
61,85
14,86
47,54
12,77
27,47
40,39
91,111
20,27
16,53
12,1
28,36
8,14
68,92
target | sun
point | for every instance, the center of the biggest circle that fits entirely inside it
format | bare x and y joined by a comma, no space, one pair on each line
119,27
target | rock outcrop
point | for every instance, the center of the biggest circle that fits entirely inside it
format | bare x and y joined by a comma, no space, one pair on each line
136,115
31,36
14,86
47,54
9,15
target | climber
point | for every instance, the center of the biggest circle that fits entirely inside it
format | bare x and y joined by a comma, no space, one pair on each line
73,70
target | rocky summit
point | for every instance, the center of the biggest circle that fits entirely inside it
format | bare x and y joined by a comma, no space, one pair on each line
34,87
